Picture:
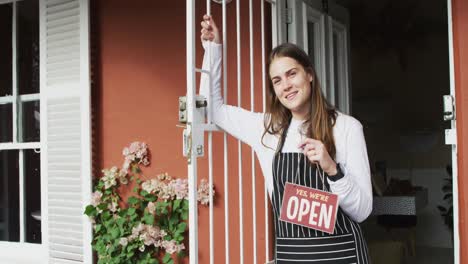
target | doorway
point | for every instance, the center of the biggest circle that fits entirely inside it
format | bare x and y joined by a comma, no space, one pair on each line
387,64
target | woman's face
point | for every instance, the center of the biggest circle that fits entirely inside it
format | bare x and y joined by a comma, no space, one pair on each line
292,85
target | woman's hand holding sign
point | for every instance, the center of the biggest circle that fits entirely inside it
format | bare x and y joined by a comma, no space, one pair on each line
316,152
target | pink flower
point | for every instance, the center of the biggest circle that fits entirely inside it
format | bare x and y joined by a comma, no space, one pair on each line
204,192
151,208
169,246
180,188
109,177
96,198
136,152
112,207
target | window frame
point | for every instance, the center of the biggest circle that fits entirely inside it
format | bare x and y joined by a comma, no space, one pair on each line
11,249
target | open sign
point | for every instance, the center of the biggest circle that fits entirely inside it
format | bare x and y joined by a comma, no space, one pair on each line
309,207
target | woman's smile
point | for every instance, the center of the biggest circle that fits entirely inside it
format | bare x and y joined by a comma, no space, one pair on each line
291,96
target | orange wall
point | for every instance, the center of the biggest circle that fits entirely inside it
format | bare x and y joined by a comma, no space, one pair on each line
139,73
460,43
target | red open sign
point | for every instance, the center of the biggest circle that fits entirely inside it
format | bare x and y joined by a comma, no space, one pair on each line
309,207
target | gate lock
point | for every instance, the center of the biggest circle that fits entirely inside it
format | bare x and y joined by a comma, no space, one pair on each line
193,137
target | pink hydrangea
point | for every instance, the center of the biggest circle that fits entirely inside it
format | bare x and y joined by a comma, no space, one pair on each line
151,208
136,152
96,198
180,188
109,177
204,192
171,246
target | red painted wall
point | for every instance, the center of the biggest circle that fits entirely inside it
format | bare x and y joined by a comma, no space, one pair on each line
138,65
460,45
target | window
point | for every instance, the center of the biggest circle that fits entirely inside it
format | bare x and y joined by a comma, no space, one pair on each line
20,177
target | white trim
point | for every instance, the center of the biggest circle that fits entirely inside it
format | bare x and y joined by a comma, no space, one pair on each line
43,126
456,231
28,145
330,81
86,142
191,131
22,209
6,99
14,85
15,252
8,1
343,87
28,97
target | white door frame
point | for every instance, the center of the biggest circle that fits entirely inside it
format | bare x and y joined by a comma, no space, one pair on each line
456,231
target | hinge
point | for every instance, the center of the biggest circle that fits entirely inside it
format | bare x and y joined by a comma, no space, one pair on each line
450,136
449,107
287,15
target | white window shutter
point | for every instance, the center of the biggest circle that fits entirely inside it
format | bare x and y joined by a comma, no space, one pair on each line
65,129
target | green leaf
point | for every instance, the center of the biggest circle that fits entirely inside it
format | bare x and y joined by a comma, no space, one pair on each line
166,258
176,204
135,189
150,197
133,200
184,215
181,227
131,211
181,254
90,210
133,217
115,232
148,219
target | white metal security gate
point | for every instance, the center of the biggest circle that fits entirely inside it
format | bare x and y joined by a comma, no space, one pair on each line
196,127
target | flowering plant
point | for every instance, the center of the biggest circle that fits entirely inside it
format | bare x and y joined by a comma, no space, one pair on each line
151,222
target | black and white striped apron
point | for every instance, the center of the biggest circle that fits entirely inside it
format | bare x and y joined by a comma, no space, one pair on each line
299,244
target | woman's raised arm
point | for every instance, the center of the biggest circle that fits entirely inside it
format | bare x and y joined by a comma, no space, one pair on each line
240,123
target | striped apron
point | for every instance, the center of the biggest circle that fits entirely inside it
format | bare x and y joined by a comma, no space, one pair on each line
299,244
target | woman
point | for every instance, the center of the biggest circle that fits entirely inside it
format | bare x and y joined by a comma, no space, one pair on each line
298,139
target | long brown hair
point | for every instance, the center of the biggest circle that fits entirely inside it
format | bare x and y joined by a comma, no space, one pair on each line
321,116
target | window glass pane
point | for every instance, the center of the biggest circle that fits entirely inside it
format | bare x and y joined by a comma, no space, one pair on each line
337,55
5,49
9,203
311,42
27,41
6,123
29,129
32,181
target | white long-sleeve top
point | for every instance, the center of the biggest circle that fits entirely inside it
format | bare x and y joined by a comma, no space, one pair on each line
354,189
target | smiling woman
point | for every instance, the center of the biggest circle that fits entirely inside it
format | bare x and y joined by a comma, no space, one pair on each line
330,143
